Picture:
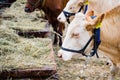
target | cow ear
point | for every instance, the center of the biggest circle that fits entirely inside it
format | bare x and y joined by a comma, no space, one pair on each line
98,20
89,27
81,4
92,24
90,13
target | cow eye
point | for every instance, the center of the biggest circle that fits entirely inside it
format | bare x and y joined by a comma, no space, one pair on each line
75,35
71,7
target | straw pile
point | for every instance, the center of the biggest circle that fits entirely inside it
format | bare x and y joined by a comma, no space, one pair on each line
15,17
21,53
16,52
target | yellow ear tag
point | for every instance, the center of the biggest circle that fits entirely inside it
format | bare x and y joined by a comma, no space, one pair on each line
99,24
86,3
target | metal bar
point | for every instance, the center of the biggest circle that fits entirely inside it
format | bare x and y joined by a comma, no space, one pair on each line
4,3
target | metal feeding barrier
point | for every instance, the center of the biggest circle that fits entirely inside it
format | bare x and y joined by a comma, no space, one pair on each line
4,3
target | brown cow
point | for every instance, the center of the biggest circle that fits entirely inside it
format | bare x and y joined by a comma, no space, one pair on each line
51,8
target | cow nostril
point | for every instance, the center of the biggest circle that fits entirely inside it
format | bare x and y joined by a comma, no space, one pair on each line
27,9
60,56
59,18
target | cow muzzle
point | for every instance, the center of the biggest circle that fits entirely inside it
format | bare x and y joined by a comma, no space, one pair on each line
28,10
61,18
65,56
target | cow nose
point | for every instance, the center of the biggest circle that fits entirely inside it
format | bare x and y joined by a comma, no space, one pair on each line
27,9
59,54
59,18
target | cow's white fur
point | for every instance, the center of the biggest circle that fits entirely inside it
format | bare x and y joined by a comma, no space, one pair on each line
77,42
110,37
98,6
72,7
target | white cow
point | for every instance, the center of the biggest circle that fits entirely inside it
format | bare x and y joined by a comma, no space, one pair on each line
98,6
80,30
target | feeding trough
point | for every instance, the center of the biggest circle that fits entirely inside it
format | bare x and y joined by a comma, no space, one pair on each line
25,58
45,71
42,73
40,34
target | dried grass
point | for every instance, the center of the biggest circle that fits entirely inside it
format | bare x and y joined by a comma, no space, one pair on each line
17,18
21,53
17,52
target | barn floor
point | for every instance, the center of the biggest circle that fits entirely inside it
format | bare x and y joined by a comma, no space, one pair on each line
95,69
76,69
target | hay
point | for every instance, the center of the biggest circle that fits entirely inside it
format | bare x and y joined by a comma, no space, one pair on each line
21,53
7,39
8,34
16,18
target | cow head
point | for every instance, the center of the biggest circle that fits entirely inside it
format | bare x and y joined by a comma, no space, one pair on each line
78,34
31,5
73,6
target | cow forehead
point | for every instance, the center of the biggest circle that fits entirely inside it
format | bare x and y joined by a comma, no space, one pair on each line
78,22
79,18
75,1
70,2
80,15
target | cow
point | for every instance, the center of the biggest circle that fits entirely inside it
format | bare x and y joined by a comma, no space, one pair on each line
52,9
6,3
98,6
80,31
